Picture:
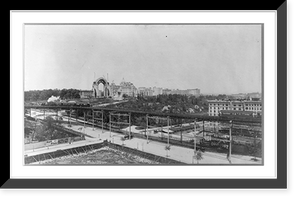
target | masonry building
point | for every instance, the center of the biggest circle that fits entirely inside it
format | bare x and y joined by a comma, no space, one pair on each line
217,107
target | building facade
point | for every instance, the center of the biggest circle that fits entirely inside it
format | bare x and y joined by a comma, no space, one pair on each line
216,107
157,91
194,92
86,93
143,91
254,106
127,88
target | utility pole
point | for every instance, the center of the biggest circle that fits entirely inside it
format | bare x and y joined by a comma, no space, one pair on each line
102,121
110,125
195,141
181,130
93,119
168,130
129,125
147,127
203,128
76,115
230,142
69,117
84,121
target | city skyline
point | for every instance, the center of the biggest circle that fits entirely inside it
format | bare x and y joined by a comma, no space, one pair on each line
217,59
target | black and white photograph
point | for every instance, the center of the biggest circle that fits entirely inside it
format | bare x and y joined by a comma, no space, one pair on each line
143,94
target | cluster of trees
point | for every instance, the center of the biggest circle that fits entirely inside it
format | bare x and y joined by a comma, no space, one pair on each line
42,132
173,99
177,103
38,95
69,94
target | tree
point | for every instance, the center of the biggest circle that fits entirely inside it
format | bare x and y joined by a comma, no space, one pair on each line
47,131
41,133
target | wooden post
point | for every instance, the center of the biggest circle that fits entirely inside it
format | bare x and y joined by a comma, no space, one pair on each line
195,141
147,128
102,121
110,125
76,114
69,117
93,119
181,130
168,130
84,120
203,129
230,142
129,125
195,146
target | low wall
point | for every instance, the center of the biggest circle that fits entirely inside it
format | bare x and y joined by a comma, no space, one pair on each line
149,156
86,148
49,143
64,152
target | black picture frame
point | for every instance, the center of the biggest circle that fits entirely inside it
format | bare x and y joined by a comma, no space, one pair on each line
279,183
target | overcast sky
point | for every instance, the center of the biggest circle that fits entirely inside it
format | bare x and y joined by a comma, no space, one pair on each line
214,58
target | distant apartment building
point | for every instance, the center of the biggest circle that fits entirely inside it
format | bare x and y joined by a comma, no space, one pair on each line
86,93
195,92
254,106
216,107
143,91
166,91
157,91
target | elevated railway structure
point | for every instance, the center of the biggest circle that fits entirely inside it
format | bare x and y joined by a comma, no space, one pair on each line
244,120
113,119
